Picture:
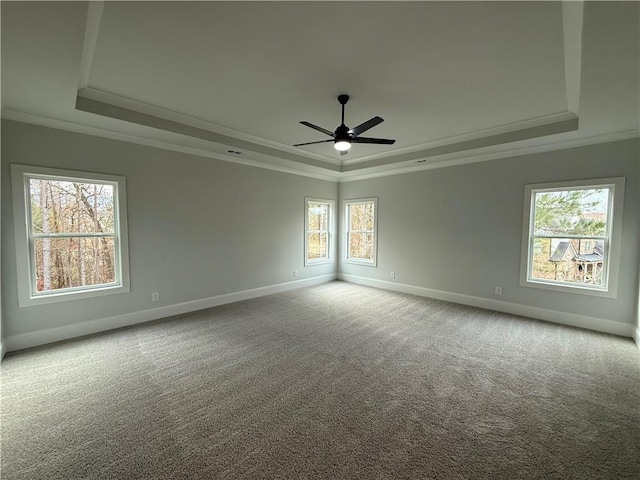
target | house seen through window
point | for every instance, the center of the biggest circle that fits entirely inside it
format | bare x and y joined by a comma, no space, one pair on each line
569,235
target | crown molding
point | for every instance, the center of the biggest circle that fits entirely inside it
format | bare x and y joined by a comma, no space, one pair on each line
532,123
112,99
117,107
439,161
486,154
49,122
572,24
94,17
512,136
169,127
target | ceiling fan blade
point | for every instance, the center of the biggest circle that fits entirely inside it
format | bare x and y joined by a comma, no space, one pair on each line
320,129
312,143
363,127
381,141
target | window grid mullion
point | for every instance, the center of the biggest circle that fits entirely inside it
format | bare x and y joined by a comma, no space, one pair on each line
72,235
572,236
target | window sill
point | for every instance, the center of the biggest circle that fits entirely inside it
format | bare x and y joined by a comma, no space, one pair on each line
313,263
366,263
572,289
68,296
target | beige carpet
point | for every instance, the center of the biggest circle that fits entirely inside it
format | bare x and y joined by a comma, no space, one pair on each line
337,381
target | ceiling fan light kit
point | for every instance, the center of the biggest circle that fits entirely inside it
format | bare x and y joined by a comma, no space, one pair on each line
342,145
343,136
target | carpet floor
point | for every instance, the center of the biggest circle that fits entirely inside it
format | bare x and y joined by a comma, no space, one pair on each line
336,381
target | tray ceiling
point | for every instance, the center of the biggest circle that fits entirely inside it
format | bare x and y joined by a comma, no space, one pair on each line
232,80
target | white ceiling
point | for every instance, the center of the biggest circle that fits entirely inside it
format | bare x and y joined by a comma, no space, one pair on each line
454,81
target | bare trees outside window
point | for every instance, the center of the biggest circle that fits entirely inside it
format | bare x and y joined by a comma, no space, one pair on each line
360,218
318,220
70,233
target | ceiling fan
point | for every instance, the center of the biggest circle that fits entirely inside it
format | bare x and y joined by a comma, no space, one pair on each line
344,136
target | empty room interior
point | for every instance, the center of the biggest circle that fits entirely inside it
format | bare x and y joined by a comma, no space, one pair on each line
341,240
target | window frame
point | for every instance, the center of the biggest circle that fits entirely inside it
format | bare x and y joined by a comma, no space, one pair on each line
329,259
26,277
361,261
612,240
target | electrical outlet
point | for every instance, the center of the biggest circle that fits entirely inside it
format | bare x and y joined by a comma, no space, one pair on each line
155,296
295,273
392,274
498,290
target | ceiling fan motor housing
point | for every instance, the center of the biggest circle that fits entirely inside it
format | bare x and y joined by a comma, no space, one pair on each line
342,133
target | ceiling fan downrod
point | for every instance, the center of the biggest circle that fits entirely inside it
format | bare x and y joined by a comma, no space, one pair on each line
343,99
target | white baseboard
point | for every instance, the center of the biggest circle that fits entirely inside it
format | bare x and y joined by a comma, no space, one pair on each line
41,337
636,336
572,319
2,351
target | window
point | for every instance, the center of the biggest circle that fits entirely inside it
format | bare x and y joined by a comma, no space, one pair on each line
571,236
318,221
70,230
360,216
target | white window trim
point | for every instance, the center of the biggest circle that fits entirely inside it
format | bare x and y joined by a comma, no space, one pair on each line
613,247
361,261
330,229
20,197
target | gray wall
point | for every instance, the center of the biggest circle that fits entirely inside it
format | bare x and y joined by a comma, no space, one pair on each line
2,347
459,229
200,227
197,227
